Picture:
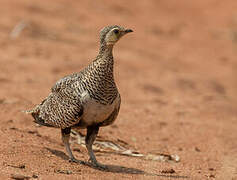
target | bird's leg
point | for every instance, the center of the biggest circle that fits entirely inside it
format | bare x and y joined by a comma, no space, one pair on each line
92,132
65,138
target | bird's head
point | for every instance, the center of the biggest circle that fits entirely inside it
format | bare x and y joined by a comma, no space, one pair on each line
111,34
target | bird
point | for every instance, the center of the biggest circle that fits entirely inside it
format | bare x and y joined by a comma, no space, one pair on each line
87,100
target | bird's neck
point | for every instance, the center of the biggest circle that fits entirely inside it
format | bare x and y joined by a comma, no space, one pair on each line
104,61
101,78
106,50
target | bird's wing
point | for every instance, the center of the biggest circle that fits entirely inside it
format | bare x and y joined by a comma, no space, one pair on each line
65,82
62,108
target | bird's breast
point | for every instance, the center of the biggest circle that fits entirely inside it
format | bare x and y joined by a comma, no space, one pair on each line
94,112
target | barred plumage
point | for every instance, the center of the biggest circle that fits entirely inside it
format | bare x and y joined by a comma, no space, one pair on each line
87,99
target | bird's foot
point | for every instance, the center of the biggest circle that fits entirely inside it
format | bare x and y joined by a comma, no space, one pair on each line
98,165
74,160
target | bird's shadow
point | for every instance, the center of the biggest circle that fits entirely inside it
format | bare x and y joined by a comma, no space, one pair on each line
60,154
114,168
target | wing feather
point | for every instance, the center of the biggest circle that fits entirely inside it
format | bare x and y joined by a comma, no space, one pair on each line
62,108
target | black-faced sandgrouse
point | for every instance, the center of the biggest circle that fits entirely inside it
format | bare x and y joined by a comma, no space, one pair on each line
88,99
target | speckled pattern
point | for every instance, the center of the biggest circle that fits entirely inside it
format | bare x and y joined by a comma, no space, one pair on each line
65,105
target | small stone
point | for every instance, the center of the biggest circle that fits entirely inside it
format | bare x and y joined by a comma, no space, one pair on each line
22,166
63,171
168,171
32,132
175,157
197,149
19,177
35,176
212,176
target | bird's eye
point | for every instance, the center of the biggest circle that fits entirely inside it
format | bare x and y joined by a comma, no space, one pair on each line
116,31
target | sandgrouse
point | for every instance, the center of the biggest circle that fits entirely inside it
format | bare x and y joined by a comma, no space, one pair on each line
88,99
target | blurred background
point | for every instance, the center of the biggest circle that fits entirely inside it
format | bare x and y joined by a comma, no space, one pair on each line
176,74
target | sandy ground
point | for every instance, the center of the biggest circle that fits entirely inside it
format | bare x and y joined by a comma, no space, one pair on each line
176,74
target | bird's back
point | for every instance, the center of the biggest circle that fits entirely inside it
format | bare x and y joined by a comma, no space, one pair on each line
90,95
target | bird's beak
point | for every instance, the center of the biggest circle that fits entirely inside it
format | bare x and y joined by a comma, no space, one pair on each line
128,31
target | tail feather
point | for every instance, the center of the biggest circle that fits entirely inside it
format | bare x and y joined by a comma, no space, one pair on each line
34,110
39,120
35,114
27,111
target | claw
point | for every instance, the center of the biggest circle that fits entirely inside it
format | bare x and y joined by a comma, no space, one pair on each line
74,160
98,165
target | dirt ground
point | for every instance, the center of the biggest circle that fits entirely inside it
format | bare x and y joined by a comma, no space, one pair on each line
176,74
